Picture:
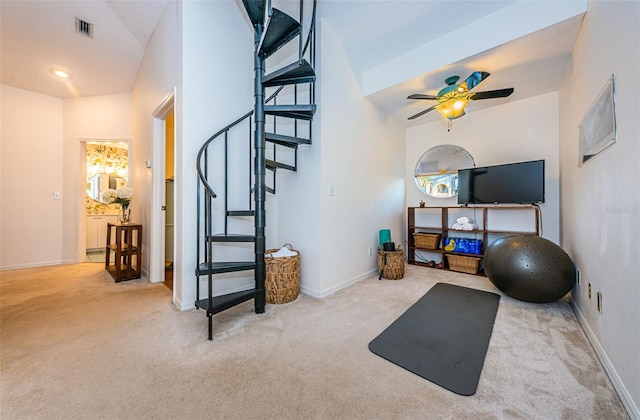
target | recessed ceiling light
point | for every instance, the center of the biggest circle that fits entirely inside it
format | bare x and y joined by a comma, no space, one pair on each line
61,73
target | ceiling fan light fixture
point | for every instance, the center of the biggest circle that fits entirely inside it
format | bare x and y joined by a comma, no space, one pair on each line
452,109
459,104
453,98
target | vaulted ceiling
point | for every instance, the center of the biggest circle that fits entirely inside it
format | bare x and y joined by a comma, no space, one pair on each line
39,36
398,48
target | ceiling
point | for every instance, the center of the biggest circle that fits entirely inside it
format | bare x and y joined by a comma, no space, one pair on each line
38,36
391,28
533,64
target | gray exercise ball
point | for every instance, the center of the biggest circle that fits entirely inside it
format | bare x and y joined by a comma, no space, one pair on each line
529,268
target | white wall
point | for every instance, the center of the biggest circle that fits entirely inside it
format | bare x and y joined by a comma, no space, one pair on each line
217,88
30,172
601,199
513,132
158,75
360,152
103,117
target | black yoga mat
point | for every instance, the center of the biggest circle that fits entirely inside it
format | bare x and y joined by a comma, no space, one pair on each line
443,337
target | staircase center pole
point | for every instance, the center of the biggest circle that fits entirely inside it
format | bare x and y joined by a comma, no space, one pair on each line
259,171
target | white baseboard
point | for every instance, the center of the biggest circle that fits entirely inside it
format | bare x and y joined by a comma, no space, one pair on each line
183,306
147,276
31,265
334,289
623,393
307,291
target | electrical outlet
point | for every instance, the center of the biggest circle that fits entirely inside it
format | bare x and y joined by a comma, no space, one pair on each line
599,301
370,251
589,290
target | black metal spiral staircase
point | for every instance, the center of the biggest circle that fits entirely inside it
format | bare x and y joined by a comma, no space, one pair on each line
278,30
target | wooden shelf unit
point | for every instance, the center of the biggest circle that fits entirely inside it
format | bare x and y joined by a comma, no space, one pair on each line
127,250
440,219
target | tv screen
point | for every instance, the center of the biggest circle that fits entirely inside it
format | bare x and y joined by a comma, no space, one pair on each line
513,183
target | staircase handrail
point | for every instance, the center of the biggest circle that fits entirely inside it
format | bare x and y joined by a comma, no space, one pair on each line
213,137
311,29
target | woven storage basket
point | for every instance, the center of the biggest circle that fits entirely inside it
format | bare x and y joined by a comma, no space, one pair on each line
394,268
463,264
282,281
427,240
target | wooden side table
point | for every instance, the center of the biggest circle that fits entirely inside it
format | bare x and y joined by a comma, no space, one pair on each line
127,249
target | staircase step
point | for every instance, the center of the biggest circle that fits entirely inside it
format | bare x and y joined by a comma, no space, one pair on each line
273,165
223,302
221,237
233,213
255,10
287,141
281,28
298,72
301,112
224,267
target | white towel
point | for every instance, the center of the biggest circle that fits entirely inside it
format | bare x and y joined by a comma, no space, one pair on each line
463,220
468,226
283,252
457,226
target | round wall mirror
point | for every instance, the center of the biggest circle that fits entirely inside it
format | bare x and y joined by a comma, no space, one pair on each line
437,170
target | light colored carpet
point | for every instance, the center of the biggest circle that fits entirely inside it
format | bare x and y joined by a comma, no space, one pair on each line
75,345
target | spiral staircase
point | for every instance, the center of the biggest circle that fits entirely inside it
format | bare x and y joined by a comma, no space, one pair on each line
294,85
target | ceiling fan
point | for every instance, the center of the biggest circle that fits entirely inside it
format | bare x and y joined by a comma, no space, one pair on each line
453,98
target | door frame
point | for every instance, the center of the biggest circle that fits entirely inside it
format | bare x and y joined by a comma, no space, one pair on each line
81,222
158,185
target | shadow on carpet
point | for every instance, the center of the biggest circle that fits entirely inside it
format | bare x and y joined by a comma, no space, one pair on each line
443,337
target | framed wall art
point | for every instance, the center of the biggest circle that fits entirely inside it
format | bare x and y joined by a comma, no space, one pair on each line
598,127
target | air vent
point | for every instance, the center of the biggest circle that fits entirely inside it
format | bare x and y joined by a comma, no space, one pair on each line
84,28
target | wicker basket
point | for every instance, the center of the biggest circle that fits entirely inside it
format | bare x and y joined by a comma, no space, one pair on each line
427,240
463,264
394,267
282,281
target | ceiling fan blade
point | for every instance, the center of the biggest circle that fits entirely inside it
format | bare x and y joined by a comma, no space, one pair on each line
419,96
475,78
490,94
419,114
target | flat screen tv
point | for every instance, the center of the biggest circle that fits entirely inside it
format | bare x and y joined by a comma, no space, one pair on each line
513,183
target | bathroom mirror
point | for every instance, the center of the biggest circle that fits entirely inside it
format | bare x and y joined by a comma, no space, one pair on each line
99,183
436,172
107,167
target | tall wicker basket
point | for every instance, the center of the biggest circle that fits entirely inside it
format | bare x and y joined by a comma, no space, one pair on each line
394,267
282,281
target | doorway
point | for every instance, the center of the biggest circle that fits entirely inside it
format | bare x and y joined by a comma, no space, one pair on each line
105,166
162,256
169,203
